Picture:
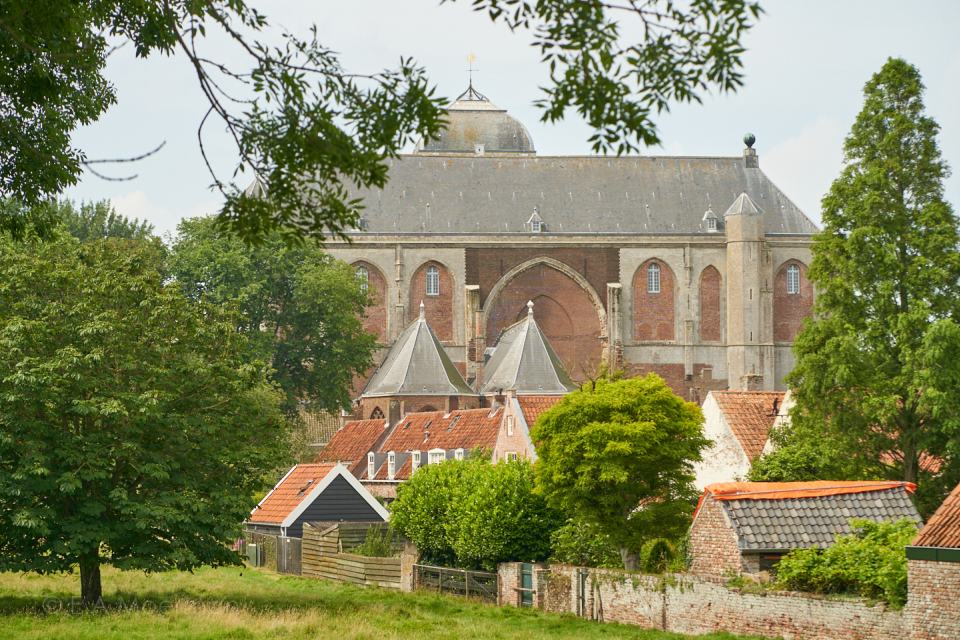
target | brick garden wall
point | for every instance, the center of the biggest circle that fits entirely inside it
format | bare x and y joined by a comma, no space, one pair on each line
934,604
696,605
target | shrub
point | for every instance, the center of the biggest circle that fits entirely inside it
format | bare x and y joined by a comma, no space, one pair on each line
378,543
584,544
475,514
871,562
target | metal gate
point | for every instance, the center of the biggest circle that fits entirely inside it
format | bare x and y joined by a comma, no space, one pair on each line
526,584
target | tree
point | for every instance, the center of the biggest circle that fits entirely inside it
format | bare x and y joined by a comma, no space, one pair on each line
876,367
306,127
299,308
475,514
133,428
619,455
98,220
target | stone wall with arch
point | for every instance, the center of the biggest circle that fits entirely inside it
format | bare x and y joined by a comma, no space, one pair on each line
654,314
710,308
438,308
375,316
789,309
566,307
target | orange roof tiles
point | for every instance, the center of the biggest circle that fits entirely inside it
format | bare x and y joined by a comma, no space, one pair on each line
943,528
533,406
784,490
750,415
290,492
352,442
466,429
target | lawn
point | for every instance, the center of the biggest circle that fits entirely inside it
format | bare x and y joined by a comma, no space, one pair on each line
245,604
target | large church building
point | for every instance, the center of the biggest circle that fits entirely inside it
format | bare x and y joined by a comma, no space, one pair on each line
691,267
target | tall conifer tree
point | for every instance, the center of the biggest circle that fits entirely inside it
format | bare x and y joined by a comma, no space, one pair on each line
874,366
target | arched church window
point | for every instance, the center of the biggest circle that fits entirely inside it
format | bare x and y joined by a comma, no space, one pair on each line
793,280
653,278
376,414
433,281
363,277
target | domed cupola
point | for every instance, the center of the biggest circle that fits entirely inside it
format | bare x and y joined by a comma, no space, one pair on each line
476,126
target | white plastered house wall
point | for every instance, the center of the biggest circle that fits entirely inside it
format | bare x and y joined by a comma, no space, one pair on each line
514,433
724,460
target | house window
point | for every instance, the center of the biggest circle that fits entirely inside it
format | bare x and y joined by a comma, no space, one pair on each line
415,462
509,425
458,454
391,465
371,465
363,277
653,278
793,280
536,225
433,281
711,224
437,456
511,456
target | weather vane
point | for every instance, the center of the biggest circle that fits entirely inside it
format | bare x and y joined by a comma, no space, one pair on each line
471,58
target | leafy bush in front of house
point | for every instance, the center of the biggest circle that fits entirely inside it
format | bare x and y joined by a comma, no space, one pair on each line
379,542
475,514
871,562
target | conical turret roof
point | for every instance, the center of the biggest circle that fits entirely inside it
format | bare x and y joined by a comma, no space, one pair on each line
523,361
743,206
417,365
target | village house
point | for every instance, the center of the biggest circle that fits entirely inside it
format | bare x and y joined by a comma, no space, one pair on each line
933,574
746,527
739,424
311,493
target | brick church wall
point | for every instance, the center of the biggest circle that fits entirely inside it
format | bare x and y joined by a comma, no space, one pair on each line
789,310
654,314
933,607
375,315
438,309
713,543
710,305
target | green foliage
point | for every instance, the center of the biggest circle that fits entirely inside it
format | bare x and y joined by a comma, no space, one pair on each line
474,514
620,454
377,543
877,367
299,308
658,555
98,220
584,544
872,562
307,128
133,427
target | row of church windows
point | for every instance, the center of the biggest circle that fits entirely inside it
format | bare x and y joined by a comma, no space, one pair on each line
653,279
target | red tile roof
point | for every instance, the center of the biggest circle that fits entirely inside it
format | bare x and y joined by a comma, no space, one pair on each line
750,415
290,492
352,442
783,490
533,406
943,528
466,429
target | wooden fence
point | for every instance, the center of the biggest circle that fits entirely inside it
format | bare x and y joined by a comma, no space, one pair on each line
323,555
460,582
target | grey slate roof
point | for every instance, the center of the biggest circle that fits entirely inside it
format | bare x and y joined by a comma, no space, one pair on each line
417,365
471,120
467,194
524,361
795,523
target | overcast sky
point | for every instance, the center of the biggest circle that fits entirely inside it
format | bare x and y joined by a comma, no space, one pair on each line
805,68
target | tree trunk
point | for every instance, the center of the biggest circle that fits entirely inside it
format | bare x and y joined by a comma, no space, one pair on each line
91,592
630,559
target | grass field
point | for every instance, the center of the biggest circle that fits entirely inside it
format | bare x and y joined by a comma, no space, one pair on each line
243,604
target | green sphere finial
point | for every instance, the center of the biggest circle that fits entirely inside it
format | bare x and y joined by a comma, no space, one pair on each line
749,139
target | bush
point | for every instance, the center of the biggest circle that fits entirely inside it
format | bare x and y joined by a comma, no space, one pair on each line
474,514
871,562
378,543
584,544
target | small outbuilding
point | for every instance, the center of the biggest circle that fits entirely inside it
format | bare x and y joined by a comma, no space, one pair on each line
933,574
746,527
314,492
